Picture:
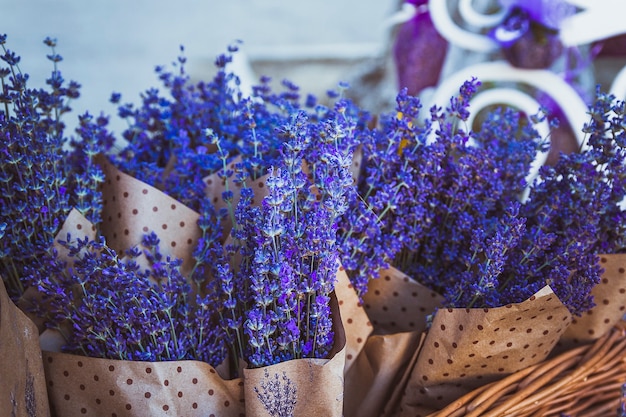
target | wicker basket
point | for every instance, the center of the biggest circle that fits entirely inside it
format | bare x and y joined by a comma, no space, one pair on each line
584,381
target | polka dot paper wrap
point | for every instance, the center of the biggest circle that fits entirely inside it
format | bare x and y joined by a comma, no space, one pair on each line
466,348
356,323
22,383
132,208
610,299
80,386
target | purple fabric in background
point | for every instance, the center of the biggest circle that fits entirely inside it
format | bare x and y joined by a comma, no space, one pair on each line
419,51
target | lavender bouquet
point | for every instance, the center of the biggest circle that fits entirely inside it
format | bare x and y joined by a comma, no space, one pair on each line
452,214
122,283
451,211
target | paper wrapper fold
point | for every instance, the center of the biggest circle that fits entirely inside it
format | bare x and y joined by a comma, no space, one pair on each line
22,382
356,324
370,382
396,303
132,208
610,299
397,307
466,348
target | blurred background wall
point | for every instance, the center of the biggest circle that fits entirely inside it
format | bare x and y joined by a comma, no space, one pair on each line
114,45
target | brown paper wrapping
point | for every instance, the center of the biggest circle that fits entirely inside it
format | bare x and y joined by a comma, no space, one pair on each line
356,323
81,386
397,307
22,382
466,348
316,388
610,298
397,303
370,382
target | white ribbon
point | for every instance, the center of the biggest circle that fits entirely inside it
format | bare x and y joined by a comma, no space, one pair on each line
599,19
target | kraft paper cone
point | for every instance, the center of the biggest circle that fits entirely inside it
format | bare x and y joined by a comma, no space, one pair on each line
22,381
610,299
82,386
397,307
132,208
300,387
466,348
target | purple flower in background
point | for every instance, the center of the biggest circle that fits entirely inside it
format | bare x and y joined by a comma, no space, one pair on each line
549,13
512,29
419,51
525,42
529,33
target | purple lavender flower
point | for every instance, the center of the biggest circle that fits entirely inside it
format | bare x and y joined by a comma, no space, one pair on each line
172,139
283,255
112,308
450,215
40,178
579,201
430,197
